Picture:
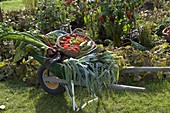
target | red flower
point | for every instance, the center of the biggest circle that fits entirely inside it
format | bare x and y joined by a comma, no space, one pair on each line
128,14
134,23
68,2
112,19
102,18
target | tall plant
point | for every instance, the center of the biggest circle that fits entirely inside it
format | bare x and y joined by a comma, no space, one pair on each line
49,15
111,18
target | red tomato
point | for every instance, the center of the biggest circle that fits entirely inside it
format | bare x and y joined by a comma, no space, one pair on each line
73,35
78,43
64,39
66,46
67,41
67,36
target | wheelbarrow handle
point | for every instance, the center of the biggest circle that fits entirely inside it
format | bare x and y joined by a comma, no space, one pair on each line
112,86
125,87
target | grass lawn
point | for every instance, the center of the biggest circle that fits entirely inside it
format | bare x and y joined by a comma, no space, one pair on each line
11,5
18,97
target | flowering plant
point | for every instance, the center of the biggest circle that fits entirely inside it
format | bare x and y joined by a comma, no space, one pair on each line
107,19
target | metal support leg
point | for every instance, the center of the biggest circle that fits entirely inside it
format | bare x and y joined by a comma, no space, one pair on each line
75,107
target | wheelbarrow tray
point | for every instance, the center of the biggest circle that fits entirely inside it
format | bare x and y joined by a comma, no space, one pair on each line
55,67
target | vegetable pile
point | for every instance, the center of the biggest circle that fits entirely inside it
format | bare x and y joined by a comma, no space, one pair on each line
94,71
74,42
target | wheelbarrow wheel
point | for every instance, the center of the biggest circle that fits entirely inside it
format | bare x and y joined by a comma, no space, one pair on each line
50,87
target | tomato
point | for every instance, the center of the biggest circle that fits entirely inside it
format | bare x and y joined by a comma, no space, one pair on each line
66,46
67,36
64,39
78,43
72,42
67,41
73,35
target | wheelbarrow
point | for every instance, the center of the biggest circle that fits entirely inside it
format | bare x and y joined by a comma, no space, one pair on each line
50,75
51,80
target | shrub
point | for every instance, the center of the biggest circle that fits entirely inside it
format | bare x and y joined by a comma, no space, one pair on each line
49,16
20,20
24,69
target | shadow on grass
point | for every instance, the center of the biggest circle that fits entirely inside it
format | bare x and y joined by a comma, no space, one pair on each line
152,86
46,103
152,83
52,104
61,104
35,97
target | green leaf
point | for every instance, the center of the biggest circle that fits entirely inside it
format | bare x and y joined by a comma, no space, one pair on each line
106,12
165,45
138,46
92,71
25,38
85,19
20,52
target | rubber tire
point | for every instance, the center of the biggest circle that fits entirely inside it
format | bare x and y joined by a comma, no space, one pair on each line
59,90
